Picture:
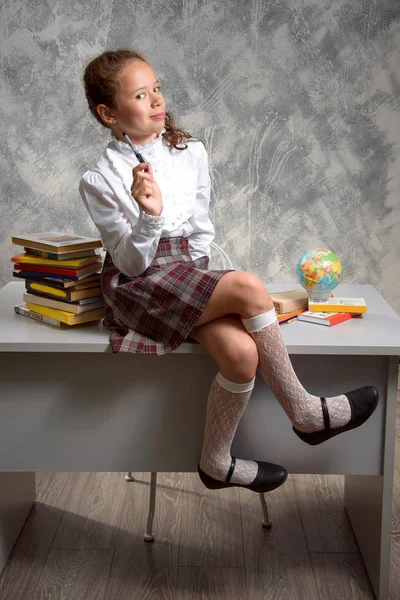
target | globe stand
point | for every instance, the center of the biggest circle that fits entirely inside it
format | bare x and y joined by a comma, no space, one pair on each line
318,297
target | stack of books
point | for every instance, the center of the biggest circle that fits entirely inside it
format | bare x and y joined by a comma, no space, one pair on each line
295,304
333,311
289,304
62,278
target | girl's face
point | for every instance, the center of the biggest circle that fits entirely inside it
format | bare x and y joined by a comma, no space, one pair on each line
139,104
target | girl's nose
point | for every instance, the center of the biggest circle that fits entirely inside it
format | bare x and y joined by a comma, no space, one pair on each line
156,101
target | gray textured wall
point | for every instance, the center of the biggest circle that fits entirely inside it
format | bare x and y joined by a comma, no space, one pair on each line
297,102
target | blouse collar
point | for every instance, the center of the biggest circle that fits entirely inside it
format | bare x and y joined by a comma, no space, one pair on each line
143,148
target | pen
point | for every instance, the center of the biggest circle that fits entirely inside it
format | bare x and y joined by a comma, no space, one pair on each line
137,154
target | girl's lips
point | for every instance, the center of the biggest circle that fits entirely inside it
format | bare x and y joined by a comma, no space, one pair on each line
158,117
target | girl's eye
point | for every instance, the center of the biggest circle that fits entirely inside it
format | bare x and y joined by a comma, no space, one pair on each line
142,94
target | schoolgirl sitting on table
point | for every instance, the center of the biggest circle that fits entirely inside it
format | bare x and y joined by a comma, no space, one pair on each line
153,218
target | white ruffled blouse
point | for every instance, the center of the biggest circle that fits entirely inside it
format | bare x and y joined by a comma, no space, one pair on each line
130,235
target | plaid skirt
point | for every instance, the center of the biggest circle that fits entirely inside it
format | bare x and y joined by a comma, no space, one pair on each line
156,311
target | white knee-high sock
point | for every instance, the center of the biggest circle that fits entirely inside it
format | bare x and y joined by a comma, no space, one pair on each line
303,409
226,404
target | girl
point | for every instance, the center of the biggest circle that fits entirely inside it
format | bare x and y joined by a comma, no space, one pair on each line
158,291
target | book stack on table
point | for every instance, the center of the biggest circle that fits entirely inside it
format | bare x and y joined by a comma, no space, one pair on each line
295,304
62,278
333,311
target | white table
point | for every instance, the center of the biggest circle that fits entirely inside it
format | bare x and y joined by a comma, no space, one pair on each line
68,404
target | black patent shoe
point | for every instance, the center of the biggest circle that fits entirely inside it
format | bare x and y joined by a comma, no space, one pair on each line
268,478
363,402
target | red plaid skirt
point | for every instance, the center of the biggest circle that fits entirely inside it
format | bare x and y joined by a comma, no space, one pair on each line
156,311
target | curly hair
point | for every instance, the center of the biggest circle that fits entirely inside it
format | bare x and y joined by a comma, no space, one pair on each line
101,79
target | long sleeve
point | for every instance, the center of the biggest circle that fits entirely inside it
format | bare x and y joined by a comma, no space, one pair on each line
203,229
131,240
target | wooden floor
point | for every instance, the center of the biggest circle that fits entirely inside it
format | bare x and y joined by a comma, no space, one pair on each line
83,540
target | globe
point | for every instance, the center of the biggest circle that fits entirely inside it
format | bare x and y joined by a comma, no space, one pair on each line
319,271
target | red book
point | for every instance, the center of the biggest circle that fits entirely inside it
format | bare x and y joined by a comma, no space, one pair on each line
326,318
58,270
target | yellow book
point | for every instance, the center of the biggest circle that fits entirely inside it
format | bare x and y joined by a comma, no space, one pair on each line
64,316
338,305
47,289
71,295
50,262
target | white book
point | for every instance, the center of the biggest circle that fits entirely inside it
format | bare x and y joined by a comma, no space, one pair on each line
21,309
325,318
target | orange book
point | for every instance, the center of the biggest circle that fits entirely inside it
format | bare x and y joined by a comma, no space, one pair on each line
289,315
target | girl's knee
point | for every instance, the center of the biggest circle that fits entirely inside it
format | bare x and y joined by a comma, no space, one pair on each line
242,358
251,290
248,282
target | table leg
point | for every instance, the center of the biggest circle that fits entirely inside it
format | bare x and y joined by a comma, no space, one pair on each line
17,495
368,499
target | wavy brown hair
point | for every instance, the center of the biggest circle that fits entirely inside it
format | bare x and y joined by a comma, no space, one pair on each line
101,80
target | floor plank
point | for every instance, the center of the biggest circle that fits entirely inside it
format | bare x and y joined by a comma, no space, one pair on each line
74,575
286,535
35,540
211,583
93,512
19,583
338,571
281,576
143,570
211,531
276,559
326,524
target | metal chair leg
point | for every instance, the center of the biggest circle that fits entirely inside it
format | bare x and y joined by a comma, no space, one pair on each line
267,523
148,536
129,477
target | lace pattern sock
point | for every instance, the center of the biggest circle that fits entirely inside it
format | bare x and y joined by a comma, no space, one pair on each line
303,409
226,404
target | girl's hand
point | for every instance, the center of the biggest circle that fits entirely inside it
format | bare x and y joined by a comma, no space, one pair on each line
145,190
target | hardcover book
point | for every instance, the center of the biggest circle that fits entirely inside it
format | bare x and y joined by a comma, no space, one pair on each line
325,318
289,301
78,283
69,295
64,316
80,307
67,271
350,305
57,243
64,256
74,263
21,309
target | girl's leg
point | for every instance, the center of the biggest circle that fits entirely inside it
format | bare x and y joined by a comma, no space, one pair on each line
314,419
236,355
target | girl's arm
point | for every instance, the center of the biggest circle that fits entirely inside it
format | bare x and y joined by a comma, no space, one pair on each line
132,246
203,229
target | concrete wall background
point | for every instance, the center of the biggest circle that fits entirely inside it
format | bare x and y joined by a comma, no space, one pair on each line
297,103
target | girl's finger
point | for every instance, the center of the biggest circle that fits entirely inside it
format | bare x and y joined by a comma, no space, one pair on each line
142,176
142,167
